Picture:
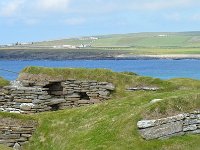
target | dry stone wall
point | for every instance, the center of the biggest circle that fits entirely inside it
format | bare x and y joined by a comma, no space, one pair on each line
187,123
16,132
32,97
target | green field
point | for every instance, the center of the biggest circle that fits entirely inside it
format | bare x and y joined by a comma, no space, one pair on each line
112,125
148,40
138,43
156,43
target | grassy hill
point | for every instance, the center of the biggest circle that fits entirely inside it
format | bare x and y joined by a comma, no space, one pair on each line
138,43
112,125
3,82
155,43
157,39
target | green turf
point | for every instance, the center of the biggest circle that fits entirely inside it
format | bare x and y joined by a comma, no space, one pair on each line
112,125
139,43
2,147
3,82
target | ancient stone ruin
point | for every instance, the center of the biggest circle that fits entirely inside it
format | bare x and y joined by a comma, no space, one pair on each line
32,97
15,132
187,123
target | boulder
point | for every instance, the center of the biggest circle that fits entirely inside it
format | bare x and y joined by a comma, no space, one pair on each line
26,106
17,146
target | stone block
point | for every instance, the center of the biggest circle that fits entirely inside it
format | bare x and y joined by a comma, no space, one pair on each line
190,128
84,101
23,100
162,130
26,106
146,124
56,101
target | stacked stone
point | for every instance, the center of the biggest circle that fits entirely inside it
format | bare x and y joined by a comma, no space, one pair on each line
187,123
28,97
25,100
81,93
15,131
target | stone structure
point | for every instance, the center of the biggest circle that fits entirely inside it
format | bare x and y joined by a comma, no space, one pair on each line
32,97
143,88
15,132
187,123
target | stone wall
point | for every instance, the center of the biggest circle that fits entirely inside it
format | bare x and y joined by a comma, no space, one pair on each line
187,123
32,97
16,132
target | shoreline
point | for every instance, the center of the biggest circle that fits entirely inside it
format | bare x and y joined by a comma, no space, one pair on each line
163,56
87,55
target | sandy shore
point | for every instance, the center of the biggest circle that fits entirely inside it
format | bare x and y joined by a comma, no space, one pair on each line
165,56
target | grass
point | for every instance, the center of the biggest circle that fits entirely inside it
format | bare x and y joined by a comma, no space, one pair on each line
120,80
112,125
2,147
157,43
3,82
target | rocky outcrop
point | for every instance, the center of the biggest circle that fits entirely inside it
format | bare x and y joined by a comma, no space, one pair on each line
187,123
32,97
15,132
143,88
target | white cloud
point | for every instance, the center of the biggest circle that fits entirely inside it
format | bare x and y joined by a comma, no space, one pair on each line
174,16
195,17
30,21
74,21
162,4
52,5
11,8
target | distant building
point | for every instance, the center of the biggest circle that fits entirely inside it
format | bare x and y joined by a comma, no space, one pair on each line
65,46
162,35
84,46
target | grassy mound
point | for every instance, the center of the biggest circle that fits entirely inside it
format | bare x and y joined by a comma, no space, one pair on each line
112,124
3,82
120,80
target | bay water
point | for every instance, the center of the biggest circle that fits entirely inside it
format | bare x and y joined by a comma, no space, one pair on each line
163,68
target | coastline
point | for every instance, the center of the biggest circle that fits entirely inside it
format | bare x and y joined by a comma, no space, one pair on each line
86,54
163,56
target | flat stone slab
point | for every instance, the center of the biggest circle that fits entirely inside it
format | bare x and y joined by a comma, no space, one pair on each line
162,130
181,124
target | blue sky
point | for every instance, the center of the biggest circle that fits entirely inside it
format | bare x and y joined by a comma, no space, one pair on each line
36,20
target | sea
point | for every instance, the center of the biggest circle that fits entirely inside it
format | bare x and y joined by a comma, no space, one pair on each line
156,68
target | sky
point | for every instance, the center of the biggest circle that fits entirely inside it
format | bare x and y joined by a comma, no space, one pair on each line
39,20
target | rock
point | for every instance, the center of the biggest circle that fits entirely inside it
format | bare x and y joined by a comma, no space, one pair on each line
146,124
186,123
26,106
104,93
161,131
155,101
145,88
23,100
109,86
17,146
56,101
190,128
74,95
